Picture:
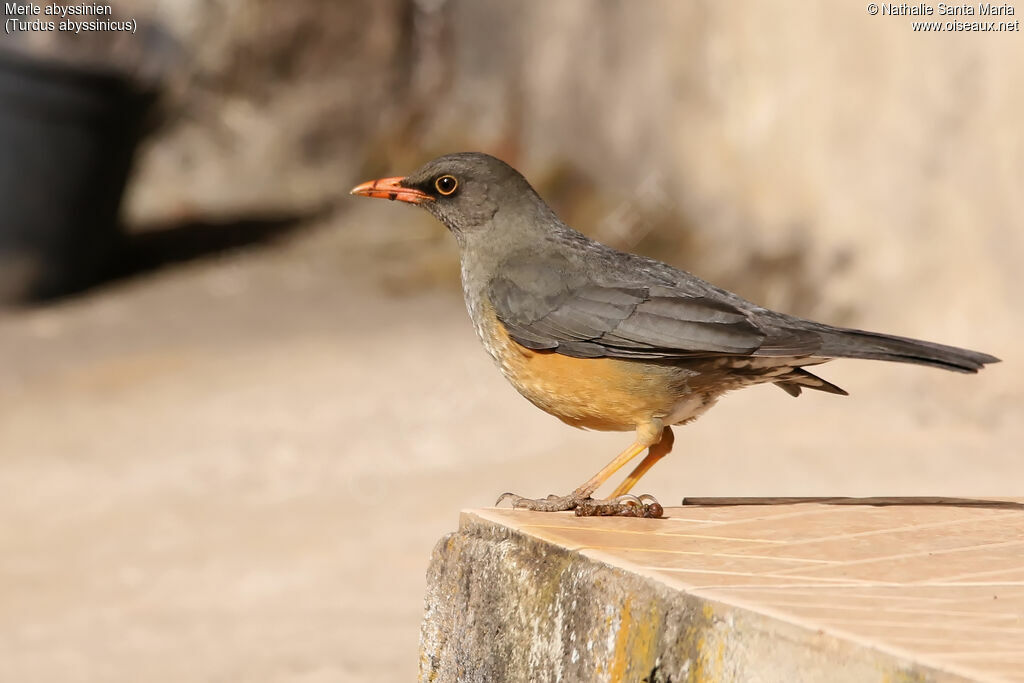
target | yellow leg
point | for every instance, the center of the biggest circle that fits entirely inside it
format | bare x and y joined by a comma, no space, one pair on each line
655,453
647,437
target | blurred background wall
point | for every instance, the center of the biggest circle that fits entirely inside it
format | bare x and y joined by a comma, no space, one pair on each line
233,464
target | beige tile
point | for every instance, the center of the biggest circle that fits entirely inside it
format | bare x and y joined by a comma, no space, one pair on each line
628,540
997,655
985,600
668,559
880,543
1014,575
938,566
854,593
819,521
715,584
893,627
960,648
740,513
987,669
868,609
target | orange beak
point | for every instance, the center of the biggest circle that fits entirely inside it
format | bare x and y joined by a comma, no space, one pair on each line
391,188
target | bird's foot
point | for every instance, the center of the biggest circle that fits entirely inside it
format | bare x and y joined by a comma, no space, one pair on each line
585,506
626,505
550,504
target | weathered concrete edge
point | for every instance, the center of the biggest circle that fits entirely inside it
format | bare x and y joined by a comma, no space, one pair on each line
502,605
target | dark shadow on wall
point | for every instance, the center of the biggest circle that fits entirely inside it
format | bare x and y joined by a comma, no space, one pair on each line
157,246
153,247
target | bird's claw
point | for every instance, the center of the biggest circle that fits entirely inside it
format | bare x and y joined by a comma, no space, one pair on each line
528,503
626,505
551,503
502,497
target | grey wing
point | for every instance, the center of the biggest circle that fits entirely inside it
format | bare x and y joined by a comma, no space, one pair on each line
544,308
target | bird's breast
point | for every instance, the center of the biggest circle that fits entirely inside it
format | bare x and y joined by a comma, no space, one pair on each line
606,394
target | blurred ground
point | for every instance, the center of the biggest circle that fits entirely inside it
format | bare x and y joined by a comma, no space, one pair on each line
236,470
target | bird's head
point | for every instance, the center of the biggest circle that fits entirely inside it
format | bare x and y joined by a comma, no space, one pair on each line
471,193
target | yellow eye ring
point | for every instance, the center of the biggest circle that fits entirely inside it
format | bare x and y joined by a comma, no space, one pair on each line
446,184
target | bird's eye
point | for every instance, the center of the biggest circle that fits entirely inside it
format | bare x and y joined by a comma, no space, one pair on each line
446,184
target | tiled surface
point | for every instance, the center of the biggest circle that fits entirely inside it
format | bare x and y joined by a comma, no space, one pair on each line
937,581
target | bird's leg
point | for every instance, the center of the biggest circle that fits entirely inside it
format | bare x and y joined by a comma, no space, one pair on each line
654,454
647,435
582,492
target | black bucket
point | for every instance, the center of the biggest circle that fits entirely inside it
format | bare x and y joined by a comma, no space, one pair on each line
67,137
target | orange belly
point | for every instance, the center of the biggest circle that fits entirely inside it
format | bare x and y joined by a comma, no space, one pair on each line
593,393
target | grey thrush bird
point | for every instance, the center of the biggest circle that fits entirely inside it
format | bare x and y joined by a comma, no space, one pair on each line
607,340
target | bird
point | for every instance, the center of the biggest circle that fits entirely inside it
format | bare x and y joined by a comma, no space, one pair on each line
608,340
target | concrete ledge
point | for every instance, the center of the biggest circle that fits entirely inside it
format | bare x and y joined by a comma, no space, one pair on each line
749,590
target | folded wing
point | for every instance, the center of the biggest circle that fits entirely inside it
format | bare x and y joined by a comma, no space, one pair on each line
544,308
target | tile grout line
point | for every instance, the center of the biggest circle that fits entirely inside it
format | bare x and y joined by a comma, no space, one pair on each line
898,610
898,529
660,534
922,553
1019,632
700,554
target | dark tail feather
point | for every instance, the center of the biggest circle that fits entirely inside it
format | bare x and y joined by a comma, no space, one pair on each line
838,342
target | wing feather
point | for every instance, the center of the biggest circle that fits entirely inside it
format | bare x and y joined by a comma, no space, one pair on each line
543,306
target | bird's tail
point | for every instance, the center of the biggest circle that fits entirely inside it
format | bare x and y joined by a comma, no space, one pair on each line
839,342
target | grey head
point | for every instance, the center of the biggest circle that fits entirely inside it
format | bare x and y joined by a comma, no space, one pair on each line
479,198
